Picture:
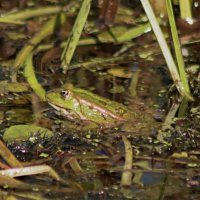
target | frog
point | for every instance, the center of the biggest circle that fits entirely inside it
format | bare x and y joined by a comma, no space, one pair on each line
83,105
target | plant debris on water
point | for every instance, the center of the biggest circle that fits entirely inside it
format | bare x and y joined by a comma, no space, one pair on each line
99,99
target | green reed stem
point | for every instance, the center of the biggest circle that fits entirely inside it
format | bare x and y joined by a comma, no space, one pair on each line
177,46
77,29
179,57
134,32
19,16
165,49
185,9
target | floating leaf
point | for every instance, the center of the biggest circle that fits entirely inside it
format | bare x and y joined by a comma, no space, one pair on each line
121,72
24,132
6,86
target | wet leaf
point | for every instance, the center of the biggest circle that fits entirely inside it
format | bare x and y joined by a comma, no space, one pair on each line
121,72
180,155
24,132
6,86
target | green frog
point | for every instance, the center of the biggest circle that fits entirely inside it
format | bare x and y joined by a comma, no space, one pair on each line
79,104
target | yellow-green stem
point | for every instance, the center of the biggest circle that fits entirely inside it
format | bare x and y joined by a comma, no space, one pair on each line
165,49
177,47
75,35
31,78
186,9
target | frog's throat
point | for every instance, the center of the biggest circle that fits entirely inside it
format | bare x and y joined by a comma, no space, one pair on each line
65,112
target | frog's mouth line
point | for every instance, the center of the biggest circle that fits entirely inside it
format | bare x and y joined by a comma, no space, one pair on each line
58,108
66,112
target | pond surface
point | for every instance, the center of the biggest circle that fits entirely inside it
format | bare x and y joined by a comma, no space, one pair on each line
91,158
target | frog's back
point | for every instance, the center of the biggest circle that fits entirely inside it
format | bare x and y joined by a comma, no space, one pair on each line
109,106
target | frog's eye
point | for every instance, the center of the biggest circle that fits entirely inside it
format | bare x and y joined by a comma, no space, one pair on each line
65,94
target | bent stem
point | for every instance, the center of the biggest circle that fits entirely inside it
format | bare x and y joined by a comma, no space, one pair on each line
31,78
165,50
177,47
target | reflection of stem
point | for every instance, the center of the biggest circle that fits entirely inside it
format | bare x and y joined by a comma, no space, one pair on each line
162,191
168,120
127,174
183,107
134,83
171,114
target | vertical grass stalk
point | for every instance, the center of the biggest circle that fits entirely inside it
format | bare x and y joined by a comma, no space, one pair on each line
185,9
177,46
77,29
165,49
179,56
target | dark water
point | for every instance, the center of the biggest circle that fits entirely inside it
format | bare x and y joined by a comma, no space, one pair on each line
162,169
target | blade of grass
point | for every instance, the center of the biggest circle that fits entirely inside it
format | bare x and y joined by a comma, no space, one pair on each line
11,21
134,32
185,8
75,35
165,49
179,56
8,156
177,46
30,13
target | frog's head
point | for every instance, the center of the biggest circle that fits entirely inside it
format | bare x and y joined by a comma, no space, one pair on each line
62,100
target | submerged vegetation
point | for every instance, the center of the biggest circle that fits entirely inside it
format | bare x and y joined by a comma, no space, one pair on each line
99,99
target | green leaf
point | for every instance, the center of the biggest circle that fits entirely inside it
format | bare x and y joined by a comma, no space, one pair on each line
24,132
